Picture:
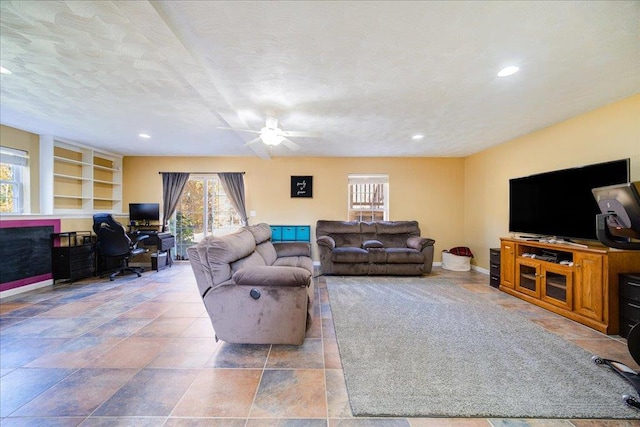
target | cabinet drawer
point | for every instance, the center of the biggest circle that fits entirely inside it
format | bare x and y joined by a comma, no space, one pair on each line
630,287
494,269
75,251
494,256
288,233
166,243
630,309
276,233
81,263
303,233
494,280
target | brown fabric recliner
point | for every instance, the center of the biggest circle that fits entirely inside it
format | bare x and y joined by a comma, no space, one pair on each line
255,292
373,248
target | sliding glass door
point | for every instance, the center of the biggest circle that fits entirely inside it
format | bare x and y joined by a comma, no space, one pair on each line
203,210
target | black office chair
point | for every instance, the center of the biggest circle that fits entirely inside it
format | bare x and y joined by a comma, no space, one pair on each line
618,226
113,242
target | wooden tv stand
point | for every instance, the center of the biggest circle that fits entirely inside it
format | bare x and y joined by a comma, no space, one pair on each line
579,283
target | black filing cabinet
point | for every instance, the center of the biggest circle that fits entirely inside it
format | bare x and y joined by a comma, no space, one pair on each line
494,267
629,289
72,255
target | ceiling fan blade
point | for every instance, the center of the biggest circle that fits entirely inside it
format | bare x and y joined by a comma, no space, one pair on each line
253,141
240,130
293,133
260,150
290,144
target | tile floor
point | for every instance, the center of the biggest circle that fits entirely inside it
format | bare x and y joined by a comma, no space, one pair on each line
141,352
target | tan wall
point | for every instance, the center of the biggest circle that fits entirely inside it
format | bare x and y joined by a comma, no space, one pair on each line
440,193
29,142
429,190
608,133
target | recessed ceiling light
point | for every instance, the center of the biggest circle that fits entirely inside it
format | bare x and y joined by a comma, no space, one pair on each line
507,71
417,136
4,70
144,135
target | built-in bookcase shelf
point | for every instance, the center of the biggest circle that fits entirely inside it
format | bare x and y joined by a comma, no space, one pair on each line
85,180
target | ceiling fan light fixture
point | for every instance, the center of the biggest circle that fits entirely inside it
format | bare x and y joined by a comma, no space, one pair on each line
270,136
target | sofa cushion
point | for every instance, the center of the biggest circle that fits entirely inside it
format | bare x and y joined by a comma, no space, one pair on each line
404,256
261,232
377,255
372,244
292,249
395,233
344,233
349,254
253,260
295,261
267,251
272,276
220,252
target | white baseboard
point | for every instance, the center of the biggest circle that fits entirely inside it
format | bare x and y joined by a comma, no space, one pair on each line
473,267
480,269
26,288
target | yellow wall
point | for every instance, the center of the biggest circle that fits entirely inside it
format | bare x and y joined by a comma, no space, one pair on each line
457,201
428,190
29,142
608,133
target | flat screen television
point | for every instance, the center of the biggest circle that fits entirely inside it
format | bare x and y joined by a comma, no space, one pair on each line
560,203
144,212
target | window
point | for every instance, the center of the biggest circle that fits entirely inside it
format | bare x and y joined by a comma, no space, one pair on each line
13,180
204,210
368,197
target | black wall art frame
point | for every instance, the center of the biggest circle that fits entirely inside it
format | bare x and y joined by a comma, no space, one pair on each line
301,186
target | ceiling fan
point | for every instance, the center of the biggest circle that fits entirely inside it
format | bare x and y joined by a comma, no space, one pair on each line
271,135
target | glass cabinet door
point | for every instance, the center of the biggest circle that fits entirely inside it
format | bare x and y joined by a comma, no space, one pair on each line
528,278
557,286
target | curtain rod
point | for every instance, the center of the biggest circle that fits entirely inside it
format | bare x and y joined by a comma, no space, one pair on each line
202,173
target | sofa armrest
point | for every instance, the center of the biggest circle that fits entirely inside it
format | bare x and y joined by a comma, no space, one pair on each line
326,241
284,249
419,243
272,276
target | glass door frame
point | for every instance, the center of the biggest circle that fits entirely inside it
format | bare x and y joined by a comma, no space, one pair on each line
536,277
560,270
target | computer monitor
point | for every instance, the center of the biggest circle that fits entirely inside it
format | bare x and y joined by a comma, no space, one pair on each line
619,221
144,212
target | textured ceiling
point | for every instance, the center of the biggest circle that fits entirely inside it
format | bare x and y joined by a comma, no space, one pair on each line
368,75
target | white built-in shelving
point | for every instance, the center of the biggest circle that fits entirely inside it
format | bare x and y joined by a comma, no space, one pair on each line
85,180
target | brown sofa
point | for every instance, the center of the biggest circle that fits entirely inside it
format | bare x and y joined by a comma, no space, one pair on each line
255,292
373,248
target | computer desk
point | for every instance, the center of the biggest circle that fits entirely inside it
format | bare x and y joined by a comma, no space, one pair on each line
164,241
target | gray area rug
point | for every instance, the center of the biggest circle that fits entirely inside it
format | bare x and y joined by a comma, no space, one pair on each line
425,347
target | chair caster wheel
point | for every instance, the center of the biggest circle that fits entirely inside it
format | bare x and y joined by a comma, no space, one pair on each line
631,401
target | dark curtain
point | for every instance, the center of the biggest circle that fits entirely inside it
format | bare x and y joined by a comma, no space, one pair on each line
173,184
233,185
